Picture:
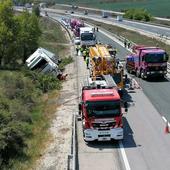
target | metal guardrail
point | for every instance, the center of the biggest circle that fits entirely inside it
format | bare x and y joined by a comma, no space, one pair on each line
168,67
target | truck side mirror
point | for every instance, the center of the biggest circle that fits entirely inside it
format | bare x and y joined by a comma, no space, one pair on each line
126,106
79,107
167,57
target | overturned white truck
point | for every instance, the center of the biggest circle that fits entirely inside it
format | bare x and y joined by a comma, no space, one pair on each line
43,61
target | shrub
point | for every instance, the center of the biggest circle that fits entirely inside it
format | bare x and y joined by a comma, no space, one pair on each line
64,62
44,82
138,14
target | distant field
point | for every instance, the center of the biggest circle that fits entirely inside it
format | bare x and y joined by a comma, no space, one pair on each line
155,7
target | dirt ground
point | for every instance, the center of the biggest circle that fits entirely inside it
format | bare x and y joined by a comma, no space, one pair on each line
55,157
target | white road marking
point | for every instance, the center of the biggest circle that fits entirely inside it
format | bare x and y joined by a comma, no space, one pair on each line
126,162
165,120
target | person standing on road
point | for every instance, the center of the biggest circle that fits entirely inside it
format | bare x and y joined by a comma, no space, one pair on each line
84,54
77,49
129,45
125,43
87,62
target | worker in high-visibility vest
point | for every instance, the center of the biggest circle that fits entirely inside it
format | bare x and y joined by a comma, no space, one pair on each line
87,62
77,49
84,54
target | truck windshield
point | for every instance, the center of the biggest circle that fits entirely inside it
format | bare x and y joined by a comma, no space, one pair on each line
87,37
156,58
101,109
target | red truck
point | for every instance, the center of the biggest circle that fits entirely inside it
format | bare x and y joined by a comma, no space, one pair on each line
101,112
147,62
76,24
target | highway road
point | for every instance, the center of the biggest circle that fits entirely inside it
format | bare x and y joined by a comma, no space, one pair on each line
140,27
145,144
137,25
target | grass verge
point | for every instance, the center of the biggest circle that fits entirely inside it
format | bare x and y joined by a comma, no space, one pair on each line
53,38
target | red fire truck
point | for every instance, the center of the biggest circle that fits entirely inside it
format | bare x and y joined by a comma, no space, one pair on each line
101,111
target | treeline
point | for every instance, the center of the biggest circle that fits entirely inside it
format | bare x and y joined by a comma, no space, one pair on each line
19,36
138,14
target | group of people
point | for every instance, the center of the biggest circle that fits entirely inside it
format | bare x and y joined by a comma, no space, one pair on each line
85,53
127,44
96,29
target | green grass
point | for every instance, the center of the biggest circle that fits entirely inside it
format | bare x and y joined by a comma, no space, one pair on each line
53,38
155,7
131,35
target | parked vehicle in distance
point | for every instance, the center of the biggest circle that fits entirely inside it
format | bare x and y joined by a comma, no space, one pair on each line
85,12
76,24
119,18
77,41
87,36
105,14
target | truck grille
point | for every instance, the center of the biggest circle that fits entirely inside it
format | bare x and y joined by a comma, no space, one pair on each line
104,125
156,68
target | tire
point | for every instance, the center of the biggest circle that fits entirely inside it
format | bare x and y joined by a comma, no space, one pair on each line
138,74
143,74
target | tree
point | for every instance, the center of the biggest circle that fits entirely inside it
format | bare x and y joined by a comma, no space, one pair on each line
29,34
8,32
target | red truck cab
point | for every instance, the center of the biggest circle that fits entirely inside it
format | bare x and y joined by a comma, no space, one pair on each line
76,24
147,62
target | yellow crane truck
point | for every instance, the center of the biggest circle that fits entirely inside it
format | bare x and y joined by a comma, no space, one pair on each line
103,63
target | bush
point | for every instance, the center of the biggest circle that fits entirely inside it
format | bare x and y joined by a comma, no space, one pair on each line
64,62
44,82
18,98
138,14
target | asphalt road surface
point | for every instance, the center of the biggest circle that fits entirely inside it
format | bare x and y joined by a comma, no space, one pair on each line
146,27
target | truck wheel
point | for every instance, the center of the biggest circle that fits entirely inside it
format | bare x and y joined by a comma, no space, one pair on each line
127,69
143,74
138,73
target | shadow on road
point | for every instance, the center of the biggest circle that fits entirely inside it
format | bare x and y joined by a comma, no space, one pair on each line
157,79
128,141
103,144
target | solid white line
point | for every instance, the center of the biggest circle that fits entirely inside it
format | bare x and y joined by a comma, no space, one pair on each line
165,120
126,162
